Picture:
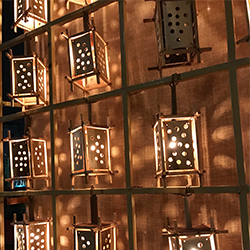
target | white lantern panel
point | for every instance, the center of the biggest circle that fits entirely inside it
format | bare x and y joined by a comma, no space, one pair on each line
197,243
20,162
107,242
38,149
77,150
23,76
97,148
20,241
85,240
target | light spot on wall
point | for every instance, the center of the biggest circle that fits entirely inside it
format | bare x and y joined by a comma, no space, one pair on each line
58,142
61,11
74,203
64,241
118,80
222,109
59,171
65,220
62,157
120,245
61,49
114,68
224,161
115,151
223,133
233,225
114,24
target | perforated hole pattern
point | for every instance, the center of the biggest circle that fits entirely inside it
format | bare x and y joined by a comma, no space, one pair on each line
199,243
106,240
20,7
82,55
97,148
179,145
78,150
37,237
40,79
38,8
23,76
178,24
38,158
86,240
21,165
101,57
20,238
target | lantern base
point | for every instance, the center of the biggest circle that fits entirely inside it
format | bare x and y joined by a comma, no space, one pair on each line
182,178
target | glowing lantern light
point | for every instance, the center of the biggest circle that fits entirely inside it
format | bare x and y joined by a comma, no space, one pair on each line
28,160
28,80
88,60
90,151
94,237
177,32
176,151
194,238
30,14
32,235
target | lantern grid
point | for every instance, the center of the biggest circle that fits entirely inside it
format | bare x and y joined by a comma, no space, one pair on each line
88,59
28,160
90,151
32,235
176,151
177,33
29,14
28,80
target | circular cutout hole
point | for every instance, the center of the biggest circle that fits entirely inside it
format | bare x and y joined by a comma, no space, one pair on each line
170,24
172,31
169,14
188,162
177,8
183,135
169,131
174,153
178,162
177,16
185,15
199,245
184,153
170,159
177,129
186,25
181,31
177,23
167,55
178,39
185,126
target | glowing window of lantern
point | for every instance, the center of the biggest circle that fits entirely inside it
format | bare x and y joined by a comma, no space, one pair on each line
30,14
28,158
32,235
178,145
28,80
39,158
175,22
88,60
97,146
197,242
19,158
88,237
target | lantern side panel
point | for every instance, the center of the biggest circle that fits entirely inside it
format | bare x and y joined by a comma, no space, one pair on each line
20,158
20,241
41,79
77,151
107,241
38,9
179,145
38,234
97,148
202,242
178,24
23,80
85,240
158,157
101,55
20,7
82,59
38,151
